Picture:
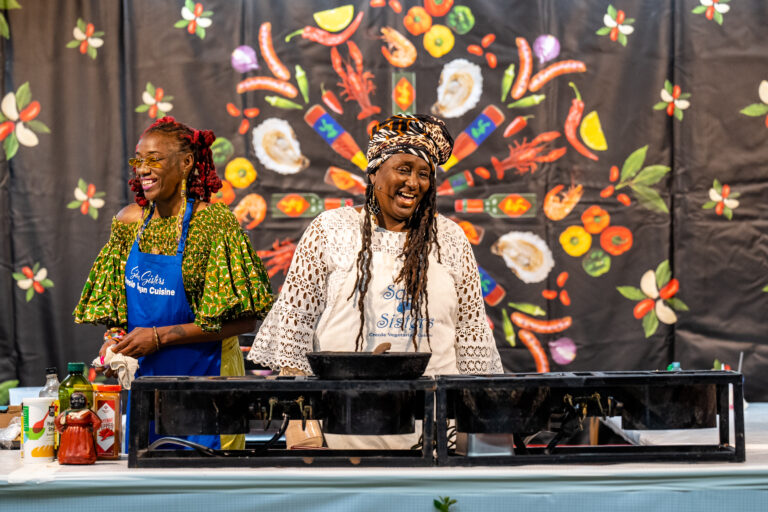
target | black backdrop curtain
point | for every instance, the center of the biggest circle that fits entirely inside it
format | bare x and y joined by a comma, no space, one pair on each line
672,98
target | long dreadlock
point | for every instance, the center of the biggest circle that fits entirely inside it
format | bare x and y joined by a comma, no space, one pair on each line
202,181
422,235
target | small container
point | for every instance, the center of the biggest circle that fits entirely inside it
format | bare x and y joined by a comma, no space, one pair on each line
37,430
107,408
51,390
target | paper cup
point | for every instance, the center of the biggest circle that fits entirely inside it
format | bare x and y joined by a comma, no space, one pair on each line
310,437
37,430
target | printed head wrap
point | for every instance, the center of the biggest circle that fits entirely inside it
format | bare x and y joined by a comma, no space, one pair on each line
422,135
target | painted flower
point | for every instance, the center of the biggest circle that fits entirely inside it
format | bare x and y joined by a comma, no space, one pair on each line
33,280
617,25
722,200
195,19
656,298
673,100
713,9
153,102
87,199
86,38
759,109
17,121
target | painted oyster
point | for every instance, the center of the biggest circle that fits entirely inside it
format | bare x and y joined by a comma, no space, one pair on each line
277,148
526,254
459,90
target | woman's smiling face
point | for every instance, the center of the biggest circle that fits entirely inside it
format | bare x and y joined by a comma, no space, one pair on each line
162,180
399,185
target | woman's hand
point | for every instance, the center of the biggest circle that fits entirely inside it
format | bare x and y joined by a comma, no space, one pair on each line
137,343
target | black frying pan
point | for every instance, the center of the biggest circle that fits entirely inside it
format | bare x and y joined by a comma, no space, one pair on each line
365,365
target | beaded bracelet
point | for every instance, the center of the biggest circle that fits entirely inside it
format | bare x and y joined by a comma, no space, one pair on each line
157,339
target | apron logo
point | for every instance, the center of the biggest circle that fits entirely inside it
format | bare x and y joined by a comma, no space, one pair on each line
145,283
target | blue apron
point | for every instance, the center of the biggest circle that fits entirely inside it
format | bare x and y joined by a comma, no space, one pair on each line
154,289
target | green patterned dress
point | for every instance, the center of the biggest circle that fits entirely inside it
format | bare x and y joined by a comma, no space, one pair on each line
224,279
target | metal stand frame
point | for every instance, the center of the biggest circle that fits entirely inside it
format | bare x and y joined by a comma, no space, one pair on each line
145,392
585,382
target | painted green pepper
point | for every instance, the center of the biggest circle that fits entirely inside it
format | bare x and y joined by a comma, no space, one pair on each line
461,19
596,262
528,309
528,101
279,102
506,82
301,80
509,331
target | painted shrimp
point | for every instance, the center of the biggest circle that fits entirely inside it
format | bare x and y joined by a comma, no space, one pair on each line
557,204
253,206
399,51
356,81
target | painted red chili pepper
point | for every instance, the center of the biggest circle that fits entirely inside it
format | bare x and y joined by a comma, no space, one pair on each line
251,112
565,298
319,35
474,49
491,59
526,67
623,199
233,110
549,294
244,125
5,129
487,40
396,6
331,101
607,191
516,125
669,289
562,278
268,51
483,172
378,3
537,351
30,112
572,123
614,174
642,308
554,70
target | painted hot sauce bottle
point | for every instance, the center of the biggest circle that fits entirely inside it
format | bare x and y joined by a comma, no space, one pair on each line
336,136
304,205
499,205
474,134
492,291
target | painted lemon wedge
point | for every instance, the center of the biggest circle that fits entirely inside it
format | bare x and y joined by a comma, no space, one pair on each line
336,19
592,133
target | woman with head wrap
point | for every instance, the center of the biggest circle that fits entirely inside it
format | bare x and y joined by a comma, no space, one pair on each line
392,271
178,273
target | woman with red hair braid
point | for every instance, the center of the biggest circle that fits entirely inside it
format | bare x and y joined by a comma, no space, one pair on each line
178,273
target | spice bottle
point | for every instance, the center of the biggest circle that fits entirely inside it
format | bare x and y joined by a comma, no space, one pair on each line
107,405
51,390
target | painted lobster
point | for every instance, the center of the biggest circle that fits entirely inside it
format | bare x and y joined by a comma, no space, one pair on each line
355,81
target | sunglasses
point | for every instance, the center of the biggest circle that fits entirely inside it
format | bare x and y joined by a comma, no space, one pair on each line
151,161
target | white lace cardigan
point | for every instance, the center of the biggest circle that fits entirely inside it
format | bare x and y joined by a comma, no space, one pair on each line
324,258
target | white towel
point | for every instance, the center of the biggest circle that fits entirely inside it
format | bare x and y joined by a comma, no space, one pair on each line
125,366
